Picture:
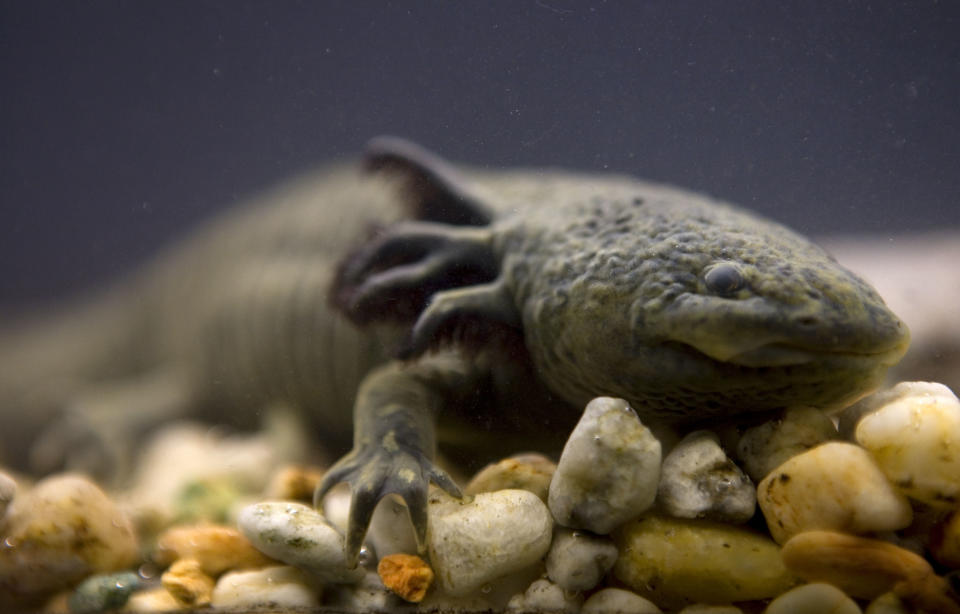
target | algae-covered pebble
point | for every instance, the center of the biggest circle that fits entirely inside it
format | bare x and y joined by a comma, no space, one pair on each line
814,598
618,601
271,587
531,472
474,542
58,533
300,536
577,560
835,486
697,480
406,575
103,592
216,548
608,471
913,433
675,562
188,584
764,447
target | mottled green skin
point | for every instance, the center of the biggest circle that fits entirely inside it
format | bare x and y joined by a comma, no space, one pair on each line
607,274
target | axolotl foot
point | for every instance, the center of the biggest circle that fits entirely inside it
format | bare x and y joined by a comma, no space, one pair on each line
375,472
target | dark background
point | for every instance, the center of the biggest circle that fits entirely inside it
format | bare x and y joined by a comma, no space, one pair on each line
123,122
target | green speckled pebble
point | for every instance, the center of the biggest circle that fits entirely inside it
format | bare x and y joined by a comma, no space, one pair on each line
815,598
106,592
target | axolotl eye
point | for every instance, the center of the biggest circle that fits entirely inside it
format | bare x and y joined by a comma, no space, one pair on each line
723,278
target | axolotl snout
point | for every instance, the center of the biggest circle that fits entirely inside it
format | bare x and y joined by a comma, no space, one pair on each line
514,297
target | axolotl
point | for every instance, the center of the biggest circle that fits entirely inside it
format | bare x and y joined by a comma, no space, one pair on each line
479,309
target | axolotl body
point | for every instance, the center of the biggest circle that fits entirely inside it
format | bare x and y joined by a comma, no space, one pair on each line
478,308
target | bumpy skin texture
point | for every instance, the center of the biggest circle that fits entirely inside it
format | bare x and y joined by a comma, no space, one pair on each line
521,295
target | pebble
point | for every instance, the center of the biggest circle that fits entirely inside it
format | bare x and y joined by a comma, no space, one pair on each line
813,598
887,603
273,587
913,434
103,592
945,542
697,480
835,486
762,448
545,596
618,601
153,600
473,542
58,533
675,562
294,483
188,584
8,490
407,576
868,568
216,548
300,536
367,595
531,472
577,560
608,471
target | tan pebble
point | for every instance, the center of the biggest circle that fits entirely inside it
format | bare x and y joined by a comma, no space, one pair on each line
945,541
676,562
294,482
887,603
56,534
153,600
216,548
835,486
531,472
814,598
188,584
406,575
867,568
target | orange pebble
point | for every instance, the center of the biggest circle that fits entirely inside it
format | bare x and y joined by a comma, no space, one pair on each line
406,575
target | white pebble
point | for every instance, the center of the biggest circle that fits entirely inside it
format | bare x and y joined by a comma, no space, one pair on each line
274,587
577,561
545,596
608,471
835,486
368,595
474,542
8,489
390,530
618,601
764,447
699,481
300,536
815,598
914,435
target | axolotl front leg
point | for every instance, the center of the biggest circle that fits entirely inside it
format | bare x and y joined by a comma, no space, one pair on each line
446,276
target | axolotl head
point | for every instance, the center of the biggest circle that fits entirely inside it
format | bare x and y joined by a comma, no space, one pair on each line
691,308
687,307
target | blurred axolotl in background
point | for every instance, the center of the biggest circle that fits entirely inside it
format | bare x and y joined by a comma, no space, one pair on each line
421,303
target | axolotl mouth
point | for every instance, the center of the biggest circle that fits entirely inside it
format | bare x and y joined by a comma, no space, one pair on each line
786,354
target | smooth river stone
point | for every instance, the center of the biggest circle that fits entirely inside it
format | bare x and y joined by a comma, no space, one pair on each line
473,542
676,562
815,598
300,536
608,471
913,433
764,447
577,561
835,486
